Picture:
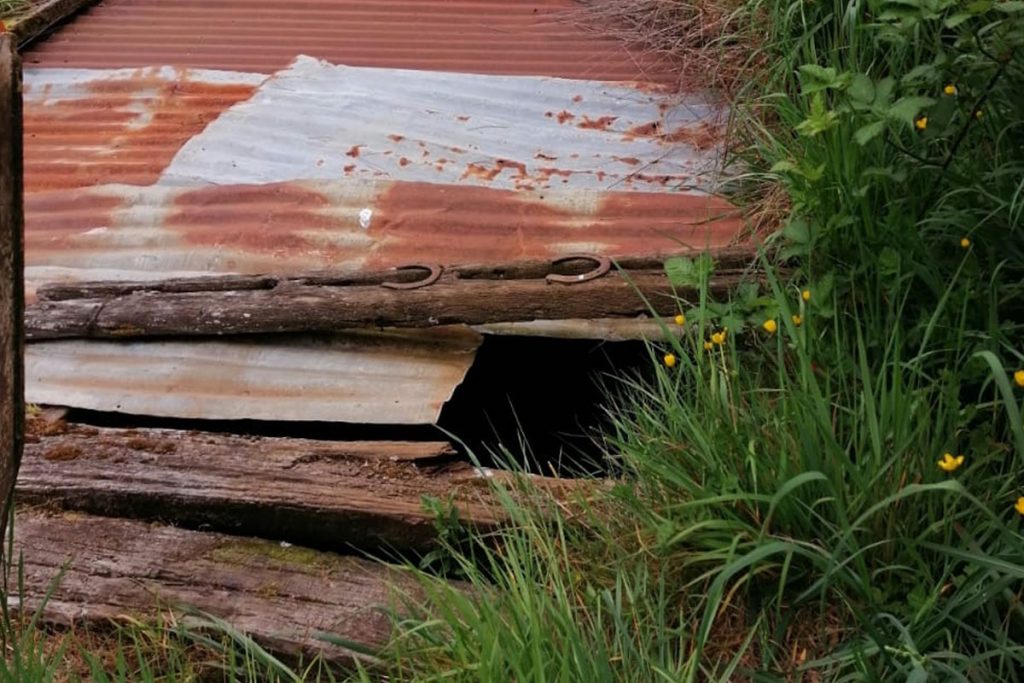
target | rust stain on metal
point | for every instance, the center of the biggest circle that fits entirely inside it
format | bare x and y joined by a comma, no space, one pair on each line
124,131
539,37
600,123
264,219
417,221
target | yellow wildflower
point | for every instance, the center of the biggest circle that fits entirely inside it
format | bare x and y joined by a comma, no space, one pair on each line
965,242
770,326
949,463
978,114
1018,377
797,320
949,89
670,360
719,337
708,346
680,320
805,295
1019,507
921,123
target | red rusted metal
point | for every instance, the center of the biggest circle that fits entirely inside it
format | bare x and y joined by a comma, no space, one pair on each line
536,37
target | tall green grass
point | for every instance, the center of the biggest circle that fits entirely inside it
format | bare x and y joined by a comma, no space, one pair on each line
780,511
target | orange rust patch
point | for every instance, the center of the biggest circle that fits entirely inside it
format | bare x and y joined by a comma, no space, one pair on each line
349,168
465,224
260,219
403,162
631,161
545,157
577,98
353,151
126,131
645,130
600,123
56,220
462,118
396,137
703,136
564,116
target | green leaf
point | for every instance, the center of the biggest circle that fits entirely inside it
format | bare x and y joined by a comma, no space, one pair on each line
814,78
820,120
866,134
906,109
862,89
798,231
955,20
687,272
1010,7
883,92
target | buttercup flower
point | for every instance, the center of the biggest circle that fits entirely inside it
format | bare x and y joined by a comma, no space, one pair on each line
1019,507
949,89
719,337
965,242
770,326
708,346
680,320
670,360
797,320
805,295
921,123
949,463
1018,377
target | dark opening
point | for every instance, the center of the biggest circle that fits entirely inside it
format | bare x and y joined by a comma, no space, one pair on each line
539,399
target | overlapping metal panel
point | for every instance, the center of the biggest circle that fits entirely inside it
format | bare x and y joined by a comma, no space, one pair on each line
361,377
539,37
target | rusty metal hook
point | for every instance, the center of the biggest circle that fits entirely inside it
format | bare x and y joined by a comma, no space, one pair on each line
433,275
604,264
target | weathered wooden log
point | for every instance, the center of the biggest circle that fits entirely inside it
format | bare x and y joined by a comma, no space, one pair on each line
12,293
43,16
302,308
325,494
282,596
731,258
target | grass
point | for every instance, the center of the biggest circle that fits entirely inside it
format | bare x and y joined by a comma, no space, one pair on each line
10,8
779,511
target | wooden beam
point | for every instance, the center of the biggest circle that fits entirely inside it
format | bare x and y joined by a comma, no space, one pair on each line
43,16
282,596
293,307
333,495
12,292
728,258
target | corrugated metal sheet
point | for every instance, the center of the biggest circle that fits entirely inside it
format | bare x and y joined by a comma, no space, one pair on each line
364,377
207,136
86,127
348,168
315,120
540,37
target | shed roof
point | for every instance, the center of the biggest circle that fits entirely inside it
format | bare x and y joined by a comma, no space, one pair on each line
236,137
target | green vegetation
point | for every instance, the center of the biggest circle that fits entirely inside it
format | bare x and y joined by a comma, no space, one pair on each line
10,8
790,501
783,513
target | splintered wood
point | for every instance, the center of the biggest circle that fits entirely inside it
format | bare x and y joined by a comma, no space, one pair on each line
367,495
282,596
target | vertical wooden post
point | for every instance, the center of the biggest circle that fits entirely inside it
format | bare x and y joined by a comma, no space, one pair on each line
12,293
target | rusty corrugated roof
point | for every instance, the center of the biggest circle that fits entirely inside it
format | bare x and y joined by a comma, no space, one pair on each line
535,37
223,136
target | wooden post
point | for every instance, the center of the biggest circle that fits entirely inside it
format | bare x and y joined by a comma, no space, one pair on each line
12,293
